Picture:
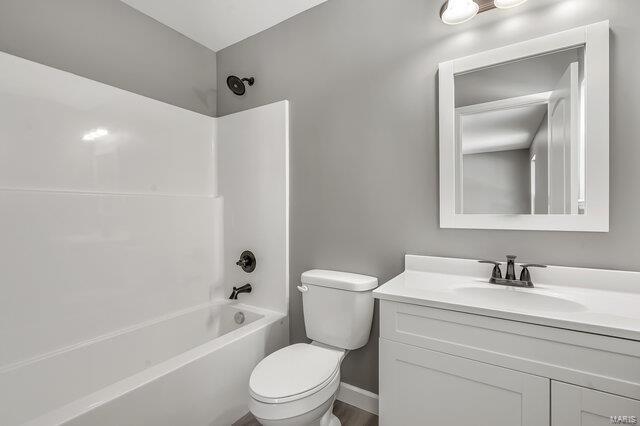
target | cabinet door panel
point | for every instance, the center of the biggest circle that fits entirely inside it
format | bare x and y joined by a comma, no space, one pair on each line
577,406
419,386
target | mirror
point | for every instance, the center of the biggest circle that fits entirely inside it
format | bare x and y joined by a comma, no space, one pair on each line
520,137
524,135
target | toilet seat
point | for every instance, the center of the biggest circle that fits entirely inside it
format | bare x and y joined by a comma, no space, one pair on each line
293,412
294,372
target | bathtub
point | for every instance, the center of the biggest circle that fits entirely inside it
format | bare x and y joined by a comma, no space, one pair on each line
188,368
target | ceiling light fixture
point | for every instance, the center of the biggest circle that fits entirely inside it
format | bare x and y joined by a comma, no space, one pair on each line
455,12
459,11
508,4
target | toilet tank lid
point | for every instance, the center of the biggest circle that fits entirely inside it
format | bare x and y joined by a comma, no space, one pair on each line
341,280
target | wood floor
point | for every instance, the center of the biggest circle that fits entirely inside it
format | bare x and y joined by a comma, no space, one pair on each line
348,415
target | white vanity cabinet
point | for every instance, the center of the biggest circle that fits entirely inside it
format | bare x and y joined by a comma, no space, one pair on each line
427,387
439,366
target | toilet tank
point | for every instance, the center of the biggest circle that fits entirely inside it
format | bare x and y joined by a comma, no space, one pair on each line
338,307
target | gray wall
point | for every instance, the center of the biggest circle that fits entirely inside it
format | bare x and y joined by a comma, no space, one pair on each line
108,41
497,182
361,77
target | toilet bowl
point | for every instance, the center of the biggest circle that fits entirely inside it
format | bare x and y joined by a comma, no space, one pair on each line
297,385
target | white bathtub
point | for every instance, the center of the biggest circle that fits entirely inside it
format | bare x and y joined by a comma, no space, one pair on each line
188,368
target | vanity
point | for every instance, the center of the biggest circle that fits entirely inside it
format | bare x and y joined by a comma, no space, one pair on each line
456,349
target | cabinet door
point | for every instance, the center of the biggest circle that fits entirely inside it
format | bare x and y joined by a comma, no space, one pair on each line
577,406
423,387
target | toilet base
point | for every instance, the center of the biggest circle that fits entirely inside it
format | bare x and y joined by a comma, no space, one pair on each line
329,419
309,419
333,421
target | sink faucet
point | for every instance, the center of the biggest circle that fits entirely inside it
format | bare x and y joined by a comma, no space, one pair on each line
510,276
511,267
237,290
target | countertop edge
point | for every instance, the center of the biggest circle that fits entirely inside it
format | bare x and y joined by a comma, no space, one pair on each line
512,316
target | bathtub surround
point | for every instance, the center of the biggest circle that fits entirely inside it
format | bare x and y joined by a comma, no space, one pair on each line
361,78
115,271
99,233
253,170
111,42
100,230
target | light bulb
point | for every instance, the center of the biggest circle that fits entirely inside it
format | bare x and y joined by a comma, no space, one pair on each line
507,4
459,11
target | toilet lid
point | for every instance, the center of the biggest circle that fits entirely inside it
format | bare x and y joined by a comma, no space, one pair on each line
296,369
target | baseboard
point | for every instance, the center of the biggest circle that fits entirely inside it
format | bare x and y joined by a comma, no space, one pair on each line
360,398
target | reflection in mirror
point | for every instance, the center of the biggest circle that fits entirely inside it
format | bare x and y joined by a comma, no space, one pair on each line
520,138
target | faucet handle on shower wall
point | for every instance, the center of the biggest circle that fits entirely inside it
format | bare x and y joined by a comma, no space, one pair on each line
247,261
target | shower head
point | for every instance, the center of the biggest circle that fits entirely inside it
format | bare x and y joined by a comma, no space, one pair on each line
236,84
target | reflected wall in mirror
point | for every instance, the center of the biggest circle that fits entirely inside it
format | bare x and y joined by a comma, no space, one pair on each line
524,135
520,139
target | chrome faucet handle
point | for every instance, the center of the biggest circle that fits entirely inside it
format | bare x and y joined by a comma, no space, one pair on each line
496,273
525,275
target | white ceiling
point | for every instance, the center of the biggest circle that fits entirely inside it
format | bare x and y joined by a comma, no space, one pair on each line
221,23
501,130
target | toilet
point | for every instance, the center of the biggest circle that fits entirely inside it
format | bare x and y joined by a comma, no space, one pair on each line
298,384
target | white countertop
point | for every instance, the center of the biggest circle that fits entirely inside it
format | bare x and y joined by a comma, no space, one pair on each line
588,300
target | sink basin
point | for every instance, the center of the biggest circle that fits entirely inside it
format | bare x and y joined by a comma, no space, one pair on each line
526,298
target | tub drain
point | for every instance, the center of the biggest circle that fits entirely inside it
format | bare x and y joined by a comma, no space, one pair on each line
239,317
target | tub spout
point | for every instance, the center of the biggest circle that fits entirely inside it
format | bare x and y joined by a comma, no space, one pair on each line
237,290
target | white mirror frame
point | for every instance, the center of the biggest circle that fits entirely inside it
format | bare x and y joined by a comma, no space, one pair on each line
595,39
